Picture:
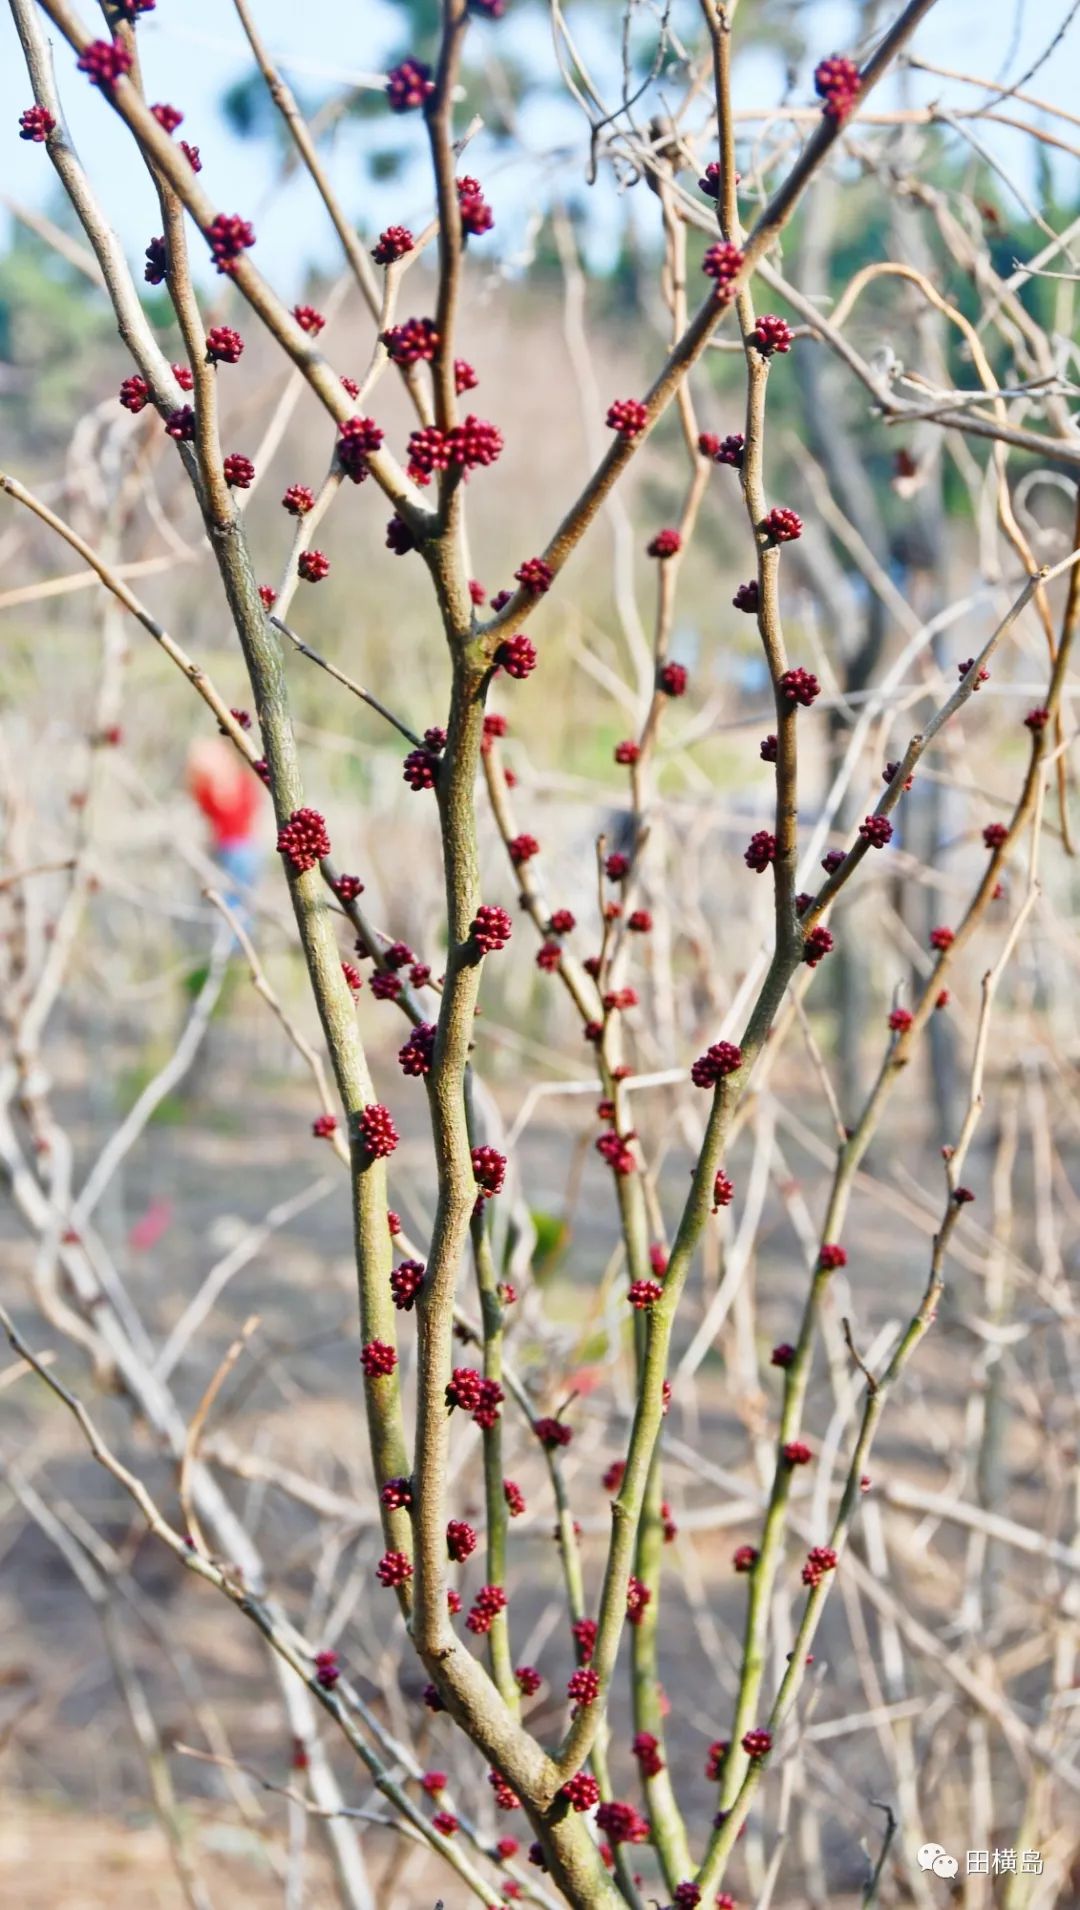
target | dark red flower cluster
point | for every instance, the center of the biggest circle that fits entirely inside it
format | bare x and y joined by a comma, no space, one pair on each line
747,597
397,1495
621,1823
36,124
168,117
709,182
638,1596
617,1151
627,416
639,921
552,1433
581,1791
665,544
515,1498
394,1568
687,1896
192,155
357,439
392,244
528,1680
405,1283
413,341
490,1600
239,471
781,525
723,1192
643,1294
671,679
995,835
731,450
228,236
1036,720
420,768
721,1059
104,62
799,686
757,1744
327,1669
506,1798
876,830
890,771
491,928
517,656
819,1560
323,1126
942,938
535,575
771,334
761,851
723,263
521,849
476,215
797,1453
744,1558
378,1359
900,1020
313,565
298,500
489,1170
157,262
714,1759
583,1687
348,887
646,1749
399,537
584,1631
474,443
303,840
223,345
782,1355
460,1540
416,1057
836,82
464,1388
627,752
465,379
409,85
817,945
378,1135
135,394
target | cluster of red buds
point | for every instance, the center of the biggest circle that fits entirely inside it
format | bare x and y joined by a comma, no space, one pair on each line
490,1600
409,85
836,82
476,214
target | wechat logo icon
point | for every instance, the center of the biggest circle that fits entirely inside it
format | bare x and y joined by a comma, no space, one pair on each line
935,1858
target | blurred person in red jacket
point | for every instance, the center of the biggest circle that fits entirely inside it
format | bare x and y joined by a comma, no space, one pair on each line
229,796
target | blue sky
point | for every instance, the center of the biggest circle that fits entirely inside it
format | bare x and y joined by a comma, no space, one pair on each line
192,50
